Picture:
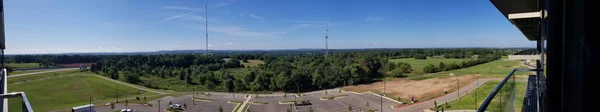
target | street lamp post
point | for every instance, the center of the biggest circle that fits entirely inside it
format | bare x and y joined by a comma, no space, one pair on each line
457,89
158,106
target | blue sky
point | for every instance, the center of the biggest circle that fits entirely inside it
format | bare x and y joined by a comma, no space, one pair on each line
58,26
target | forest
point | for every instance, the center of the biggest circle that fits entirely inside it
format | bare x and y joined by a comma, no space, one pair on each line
289,71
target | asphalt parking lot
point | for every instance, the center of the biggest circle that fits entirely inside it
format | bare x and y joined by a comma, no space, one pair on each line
272,103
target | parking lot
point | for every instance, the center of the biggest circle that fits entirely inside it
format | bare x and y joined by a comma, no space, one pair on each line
271,103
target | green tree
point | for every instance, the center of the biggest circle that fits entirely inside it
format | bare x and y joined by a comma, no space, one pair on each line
442,66
398,72
209,85
430,69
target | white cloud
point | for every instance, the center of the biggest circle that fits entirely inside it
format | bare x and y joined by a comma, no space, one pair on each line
314,22
193,10
303,25
182,8
229,43
257,17
374,19
178,16
374,43
241,32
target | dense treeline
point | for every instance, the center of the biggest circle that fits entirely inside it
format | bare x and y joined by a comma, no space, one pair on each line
301,71
57,59
452,66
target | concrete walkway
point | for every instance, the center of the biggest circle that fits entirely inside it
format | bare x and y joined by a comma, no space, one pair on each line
244,104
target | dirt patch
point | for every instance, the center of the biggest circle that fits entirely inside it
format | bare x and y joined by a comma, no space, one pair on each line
405,88
507,66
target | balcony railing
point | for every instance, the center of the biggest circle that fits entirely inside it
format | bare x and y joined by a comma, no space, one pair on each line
26,107
503,97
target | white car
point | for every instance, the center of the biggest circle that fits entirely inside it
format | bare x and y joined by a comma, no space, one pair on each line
126,110
175,106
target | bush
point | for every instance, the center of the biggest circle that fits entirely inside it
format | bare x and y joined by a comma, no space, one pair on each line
398,72
430,69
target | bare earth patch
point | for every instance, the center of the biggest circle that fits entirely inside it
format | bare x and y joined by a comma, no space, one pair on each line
405,88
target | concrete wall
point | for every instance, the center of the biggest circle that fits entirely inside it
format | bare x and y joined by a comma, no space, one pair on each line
523,57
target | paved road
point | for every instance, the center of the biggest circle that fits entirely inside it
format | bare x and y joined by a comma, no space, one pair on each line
47,71
441,100
244,104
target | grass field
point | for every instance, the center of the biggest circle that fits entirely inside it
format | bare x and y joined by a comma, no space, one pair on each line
23,65
69,90
417,64
40,76
252,63
468,102
495,69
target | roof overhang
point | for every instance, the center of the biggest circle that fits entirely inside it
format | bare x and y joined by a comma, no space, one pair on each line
524,14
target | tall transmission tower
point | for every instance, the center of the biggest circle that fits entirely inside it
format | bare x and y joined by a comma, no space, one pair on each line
206,22
326,36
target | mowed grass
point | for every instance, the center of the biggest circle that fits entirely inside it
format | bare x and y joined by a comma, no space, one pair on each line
418,64
494,69
40,76
68,91
23,65
252,63
468,102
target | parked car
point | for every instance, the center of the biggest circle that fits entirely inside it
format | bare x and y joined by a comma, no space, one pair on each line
126,110
175,107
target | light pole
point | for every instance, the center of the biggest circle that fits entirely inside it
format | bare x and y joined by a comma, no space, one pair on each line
117,91
457,89
158,106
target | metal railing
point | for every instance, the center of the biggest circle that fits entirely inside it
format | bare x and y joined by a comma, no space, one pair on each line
502,98
26,106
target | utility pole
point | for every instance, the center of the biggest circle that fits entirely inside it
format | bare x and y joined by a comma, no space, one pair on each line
476,87
90,104
206,23
117,91
457,89
158,105
326,36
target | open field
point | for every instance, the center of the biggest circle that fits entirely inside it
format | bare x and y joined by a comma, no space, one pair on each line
494,69
252,63
24,65
418,64
468,102
68,90
420,90
47,75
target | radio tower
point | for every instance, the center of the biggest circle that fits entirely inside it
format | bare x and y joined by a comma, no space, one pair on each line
206,28
326,36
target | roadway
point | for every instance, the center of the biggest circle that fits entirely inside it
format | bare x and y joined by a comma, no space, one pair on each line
40,72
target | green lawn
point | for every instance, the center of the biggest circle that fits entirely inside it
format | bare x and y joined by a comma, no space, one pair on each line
40,76
418,64
494,69
23,65
252,63
69,90
468,102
